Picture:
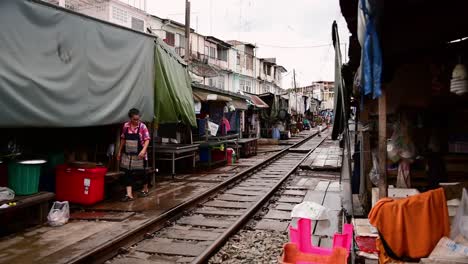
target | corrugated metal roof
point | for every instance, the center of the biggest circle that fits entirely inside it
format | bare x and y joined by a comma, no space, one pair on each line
257,101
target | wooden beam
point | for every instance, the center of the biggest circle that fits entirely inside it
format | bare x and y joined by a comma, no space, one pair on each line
383,188
366,160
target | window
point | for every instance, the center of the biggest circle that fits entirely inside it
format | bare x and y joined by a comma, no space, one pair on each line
221,82
119,15
238,58
245,85
268,70
100,8
138,24
249,62
212,53
212,82
69,5
266,88
181,41
222,54
170,39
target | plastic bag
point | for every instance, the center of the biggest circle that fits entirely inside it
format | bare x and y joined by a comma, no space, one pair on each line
6,194
460,222
59,214
310,210
276,133
213,128
374,174
400,145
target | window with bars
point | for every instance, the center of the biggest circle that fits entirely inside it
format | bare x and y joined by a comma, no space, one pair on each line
170,39
212,53
221,82
212,82
138,24
181,41
249,62
119,14
222,54
245,85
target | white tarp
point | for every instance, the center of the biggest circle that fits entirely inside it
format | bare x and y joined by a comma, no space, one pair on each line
60,69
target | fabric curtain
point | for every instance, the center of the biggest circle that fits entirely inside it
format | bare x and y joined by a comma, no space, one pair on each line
339,89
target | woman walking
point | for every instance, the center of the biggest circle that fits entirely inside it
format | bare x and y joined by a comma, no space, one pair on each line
134,143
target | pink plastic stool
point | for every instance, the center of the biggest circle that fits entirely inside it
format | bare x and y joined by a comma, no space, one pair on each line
302,237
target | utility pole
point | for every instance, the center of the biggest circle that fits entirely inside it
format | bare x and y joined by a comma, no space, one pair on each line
187,30
295,90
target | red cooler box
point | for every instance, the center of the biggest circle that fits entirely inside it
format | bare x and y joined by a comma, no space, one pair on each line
80,185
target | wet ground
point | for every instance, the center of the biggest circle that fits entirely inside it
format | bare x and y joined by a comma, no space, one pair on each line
46,244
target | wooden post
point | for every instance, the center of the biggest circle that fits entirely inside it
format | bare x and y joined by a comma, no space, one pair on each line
116,165
366,160
383,188
153,152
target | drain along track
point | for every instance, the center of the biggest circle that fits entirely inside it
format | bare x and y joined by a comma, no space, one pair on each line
200,226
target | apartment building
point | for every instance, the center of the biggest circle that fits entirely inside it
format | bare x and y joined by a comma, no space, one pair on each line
113,11
322,91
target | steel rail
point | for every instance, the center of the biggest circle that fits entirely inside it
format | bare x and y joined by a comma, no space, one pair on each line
218,243
110,249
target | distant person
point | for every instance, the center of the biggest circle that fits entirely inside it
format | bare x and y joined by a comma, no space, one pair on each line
319,133
134,142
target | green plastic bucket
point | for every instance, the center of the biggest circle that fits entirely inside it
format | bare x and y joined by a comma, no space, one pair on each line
23,176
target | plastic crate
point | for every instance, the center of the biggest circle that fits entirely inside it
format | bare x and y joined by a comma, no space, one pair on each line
80,185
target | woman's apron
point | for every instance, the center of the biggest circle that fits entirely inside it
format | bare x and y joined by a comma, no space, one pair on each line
133,147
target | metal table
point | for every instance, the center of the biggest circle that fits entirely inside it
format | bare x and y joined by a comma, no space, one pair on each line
174,152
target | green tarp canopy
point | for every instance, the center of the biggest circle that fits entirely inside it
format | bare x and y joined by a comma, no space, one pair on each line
173,99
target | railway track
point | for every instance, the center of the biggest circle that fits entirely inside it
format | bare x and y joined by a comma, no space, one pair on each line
193,231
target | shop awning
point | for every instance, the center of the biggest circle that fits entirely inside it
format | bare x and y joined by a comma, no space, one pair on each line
240,104
257,102
206,97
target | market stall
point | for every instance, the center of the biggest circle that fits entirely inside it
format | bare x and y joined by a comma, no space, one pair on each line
73,111
220,124
409,76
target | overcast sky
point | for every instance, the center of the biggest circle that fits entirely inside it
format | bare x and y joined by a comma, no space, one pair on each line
288,30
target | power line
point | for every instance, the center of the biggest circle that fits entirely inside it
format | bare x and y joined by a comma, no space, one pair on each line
298,47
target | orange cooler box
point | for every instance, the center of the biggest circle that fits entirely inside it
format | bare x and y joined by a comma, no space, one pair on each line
80,185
